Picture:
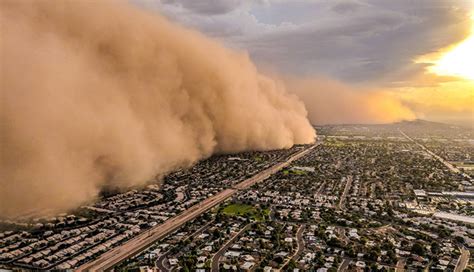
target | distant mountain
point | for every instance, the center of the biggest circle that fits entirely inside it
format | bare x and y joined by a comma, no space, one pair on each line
423,128
420,123
416,128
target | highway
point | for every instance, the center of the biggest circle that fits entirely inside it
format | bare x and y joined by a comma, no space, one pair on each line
447,164
143,240
463,260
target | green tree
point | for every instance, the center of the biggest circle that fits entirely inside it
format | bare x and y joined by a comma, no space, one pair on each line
418,249
435,247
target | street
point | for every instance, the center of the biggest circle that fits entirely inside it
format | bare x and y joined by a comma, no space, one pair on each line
145,239
463,260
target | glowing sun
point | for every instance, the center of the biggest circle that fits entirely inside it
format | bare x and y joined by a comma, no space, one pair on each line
459,61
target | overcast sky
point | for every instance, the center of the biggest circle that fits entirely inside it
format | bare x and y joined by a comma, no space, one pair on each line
356,41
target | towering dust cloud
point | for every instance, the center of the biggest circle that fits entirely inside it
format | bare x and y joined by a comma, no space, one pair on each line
332,102
97,94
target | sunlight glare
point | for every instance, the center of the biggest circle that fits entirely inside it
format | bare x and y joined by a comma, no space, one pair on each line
459,61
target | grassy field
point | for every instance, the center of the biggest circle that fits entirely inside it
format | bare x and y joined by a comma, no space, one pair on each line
237,209
334,143
294,172
258,158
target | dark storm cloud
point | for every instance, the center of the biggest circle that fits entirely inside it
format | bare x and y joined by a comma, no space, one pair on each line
352,40
206,7
337,50
345,7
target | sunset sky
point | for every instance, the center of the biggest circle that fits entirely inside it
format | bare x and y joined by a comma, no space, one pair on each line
421,51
